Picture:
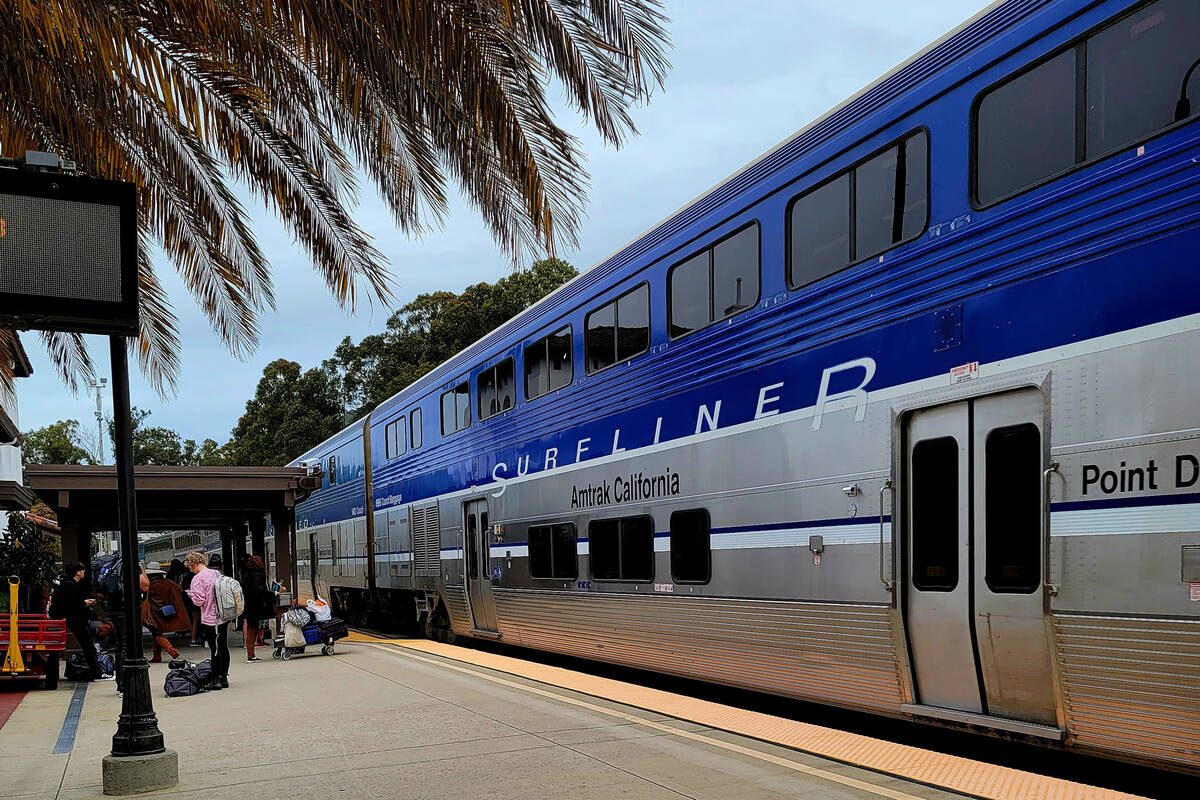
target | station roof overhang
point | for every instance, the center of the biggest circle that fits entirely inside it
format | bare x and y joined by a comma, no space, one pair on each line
168,498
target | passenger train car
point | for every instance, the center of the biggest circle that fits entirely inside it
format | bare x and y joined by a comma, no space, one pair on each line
902,417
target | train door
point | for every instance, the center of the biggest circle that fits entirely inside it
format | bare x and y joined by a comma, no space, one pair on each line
974,597
477,549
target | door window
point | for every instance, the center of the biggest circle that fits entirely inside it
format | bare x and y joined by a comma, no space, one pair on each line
935,515
472,548
1014,509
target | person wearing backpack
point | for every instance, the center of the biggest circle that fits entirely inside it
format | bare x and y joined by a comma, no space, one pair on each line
108,580
213,630
259,605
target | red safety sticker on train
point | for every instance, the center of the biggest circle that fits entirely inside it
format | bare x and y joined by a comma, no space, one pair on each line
1194,595
964,372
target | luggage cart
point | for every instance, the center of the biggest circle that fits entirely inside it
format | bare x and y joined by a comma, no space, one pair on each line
32,644
322,633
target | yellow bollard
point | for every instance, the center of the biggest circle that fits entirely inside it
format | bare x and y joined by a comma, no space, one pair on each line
12,661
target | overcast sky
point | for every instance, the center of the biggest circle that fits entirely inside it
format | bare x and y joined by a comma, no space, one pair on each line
745,76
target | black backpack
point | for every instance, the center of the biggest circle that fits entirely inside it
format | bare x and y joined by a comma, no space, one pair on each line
77,668
182,683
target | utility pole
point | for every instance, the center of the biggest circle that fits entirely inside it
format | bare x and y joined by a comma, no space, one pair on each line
98,388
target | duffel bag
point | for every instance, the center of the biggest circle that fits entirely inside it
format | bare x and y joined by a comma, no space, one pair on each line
203,671
76,668
107,664
179,663
182,683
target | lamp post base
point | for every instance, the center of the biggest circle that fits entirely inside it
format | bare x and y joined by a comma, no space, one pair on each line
136,774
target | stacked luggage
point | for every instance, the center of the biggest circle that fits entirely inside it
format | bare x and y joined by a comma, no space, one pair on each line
302,628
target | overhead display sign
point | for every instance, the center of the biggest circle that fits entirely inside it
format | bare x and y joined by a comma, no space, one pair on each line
68,253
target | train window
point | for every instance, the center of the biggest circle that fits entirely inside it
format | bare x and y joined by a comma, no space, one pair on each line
691,549
332,470
935,514
874,202
913,186
820,232
497,391
619,330
1121,84
1014,509
879,203
715,284
553,552
1025,129
689,292
394,439
548,364
456,409
633,323
1136,69
415,428
622,549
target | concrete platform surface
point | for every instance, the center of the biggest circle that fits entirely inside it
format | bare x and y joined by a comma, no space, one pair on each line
375,721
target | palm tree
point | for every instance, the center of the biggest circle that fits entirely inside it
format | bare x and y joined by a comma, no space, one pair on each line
301,100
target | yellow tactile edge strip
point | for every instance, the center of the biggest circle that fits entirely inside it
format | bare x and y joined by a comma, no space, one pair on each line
905,761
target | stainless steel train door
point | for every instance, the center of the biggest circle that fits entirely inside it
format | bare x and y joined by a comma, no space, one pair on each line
975,525
477,550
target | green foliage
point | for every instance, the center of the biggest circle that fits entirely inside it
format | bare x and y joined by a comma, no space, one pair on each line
32,555
159,446
433,327
292,412
58,443
289,413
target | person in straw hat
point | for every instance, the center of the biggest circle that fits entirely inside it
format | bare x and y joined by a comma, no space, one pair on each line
163,610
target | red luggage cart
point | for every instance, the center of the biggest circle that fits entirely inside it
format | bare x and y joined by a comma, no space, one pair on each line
35,650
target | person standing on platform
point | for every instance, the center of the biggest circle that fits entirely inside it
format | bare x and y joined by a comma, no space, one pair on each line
115,600
69,604
260,603
215,632
163,611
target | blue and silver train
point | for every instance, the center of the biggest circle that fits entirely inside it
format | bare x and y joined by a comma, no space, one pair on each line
902,417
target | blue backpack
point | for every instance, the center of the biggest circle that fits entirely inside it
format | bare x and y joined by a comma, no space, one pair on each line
106,573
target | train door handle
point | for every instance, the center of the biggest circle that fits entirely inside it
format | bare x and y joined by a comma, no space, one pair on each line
887,583
1051,468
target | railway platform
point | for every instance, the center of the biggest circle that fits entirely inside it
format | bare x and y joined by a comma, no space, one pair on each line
417,719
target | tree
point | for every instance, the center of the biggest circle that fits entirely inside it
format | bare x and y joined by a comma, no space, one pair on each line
159,446
289,413
433,327
297,100
57,443
29,553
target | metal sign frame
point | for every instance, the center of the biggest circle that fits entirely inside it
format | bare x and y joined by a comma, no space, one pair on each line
53,312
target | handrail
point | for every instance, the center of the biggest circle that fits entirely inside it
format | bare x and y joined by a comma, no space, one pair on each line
887,485
1050,469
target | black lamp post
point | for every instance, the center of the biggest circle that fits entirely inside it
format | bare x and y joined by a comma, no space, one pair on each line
137,727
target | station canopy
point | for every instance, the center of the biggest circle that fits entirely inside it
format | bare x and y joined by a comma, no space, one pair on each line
168,498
